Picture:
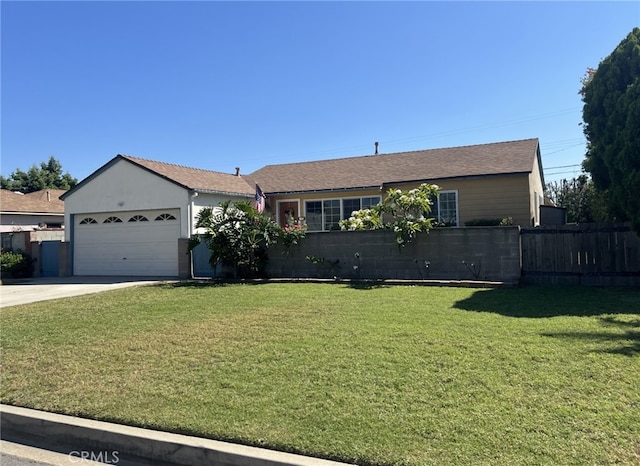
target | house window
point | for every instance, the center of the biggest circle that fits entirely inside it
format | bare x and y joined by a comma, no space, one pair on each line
112,220
445,208
162,217
350,205
88,221
369,202
332,215
313,215
324,215
6,242
360,203
138,218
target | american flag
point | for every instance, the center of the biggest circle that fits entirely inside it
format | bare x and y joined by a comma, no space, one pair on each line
259,199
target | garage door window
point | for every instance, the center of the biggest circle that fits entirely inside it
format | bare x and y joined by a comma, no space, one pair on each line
88,221
138,218
163,217
113,220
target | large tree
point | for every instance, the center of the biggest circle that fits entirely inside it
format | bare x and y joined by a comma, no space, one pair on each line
48,175
611,114
583,203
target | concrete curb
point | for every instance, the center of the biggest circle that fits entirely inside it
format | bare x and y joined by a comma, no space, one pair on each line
113,443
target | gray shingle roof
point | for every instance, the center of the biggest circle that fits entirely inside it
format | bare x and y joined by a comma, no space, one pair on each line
377,170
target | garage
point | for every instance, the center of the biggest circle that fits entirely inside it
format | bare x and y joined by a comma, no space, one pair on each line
135,243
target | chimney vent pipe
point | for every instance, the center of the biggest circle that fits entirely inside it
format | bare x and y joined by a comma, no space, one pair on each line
376,143
237,171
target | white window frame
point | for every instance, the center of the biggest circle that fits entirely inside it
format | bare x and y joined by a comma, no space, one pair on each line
343,214
306,214
449,191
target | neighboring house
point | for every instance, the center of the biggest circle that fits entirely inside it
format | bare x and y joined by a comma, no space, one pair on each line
488,181
32,211
128,216
25,217
133,216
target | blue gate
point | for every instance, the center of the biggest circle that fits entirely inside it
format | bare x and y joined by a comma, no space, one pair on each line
49,258
200,257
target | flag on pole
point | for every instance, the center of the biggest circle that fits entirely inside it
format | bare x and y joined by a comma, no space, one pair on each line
259,199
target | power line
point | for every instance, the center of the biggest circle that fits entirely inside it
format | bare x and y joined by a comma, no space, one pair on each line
514,121
563,166
560,150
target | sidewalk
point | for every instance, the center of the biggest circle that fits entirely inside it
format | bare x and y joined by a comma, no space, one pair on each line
78,438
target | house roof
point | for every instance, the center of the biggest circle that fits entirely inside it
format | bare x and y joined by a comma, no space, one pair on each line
44,201
501,158
196,178
377,170
187,177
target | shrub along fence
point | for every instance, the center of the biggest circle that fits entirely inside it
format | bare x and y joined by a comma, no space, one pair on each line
474,253
587,254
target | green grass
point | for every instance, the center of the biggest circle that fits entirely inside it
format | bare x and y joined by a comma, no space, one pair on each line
381,375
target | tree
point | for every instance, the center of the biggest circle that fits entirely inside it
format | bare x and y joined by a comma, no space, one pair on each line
238,237
48,176
409,209
611,114
583,203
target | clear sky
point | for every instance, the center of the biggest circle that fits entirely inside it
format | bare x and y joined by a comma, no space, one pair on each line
217,85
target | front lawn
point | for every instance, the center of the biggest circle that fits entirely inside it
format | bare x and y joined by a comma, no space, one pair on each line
381,375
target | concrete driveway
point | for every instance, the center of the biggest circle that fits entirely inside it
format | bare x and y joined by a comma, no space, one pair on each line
42,289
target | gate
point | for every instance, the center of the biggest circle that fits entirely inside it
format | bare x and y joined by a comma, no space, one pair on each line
200,262
588,254
49,256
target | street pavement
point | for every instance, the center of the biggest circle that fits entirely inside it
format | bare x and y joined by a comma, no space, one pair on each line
15,454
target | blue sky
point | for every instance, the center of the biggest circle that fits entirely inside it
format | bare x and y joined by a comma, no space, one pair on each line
217,85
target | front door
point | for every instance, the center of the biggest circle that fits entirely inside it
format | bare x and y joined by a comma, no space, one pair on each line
288,212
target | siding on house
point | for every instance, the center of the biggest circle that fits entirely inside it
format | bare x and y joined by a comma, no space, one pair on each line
491,180
478,198
485,198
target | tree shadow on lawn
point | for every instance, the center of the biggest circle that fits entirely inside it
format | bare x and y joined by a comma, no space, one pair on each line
554,301
626,343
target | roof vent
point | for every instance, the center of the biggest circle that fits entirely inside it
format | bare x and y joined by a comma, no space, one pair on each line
376,143
237,171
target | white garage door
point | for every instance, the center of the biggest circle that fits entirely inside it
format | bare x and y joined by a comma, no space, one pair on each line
127,243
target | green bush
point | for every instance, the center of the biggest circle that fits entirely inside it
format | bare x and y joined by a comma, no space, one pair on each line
409,210
15,264
489,222
238,237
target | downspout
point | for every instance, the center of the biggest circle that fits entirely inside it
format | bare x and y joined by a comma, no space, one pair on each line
72,242
190,210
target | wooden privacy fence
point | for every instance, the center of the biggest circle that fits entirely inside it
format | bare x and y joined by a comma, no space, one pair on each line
588,254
